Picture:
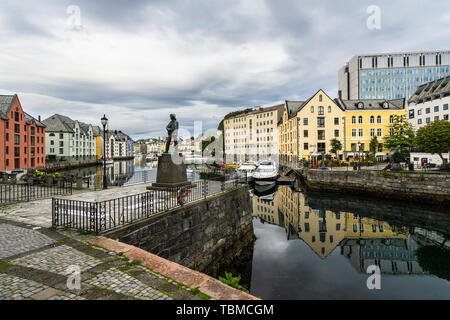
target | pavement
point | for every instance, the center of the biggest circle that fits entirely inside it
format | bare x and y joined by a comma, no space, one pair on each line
39,263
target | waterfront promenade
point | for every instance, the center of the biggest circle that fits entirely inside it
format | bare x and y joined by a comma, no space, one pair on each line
35,264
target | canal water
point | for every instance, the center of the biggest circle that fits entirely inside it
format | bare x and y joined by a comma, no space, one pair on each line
122,172
318,246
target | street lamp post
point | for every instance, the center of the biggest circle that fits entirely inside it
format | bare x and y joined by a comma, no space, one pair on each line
359,155
104,123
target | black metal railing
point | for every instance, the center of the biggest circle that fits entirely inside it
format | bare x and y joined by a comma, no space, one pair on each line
24,192
109,214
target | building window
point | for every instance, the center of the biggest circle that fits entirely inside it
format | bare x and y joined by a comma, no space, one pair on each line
17,128
305,146
305,133
312,109
378,119
360,132
305,121
445,107
378,132
427,120
32,130
436,118
320,110
321,134
380,147
427,110
353,132
320,122
419,121
336,133
336,121
329,109
391,131
419,112
436,108
372,132
372,119
353,146
320,98
16,139
360,119
353,119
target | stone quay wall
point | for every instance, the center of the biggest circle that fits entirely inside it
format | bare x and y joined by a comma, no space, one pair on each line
418,187
197,235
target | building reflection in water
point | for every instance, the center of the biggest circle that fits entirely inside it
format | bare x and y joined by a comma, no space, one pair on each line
363,241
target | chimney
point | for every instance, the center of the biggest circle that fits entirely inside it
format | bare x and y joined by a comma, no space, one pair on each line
39,118
340,94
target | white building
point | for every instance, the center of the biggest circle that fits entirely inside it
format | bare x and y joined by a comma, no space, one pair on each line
429,102
391,75
69,139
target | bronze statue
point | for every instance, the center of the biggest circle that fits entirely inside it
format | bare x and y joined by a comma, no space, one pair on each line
172,129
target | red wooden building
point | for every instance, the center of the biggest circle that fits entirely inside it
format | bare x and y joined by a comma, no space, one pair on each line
22,137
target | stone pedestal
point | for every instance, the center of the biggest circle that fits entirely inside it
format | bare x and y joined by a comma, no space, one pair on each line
169,174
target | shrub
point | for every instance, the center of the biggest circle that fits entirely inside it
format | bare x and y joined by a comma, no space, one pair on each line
233,281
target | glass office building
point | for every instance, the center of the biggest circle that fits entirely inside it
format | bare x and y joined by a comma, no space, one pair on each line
391,76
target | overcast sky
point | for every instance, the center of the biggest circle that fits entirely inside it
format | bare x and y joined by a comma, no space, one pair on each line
138,61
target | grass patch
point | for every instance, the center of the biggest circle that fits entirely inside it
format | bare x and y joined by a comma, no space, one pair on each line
198,293
86,233
5,265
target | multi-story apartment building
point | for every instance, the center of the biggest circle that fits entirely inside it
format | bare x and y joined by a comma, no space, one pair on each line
70,140
307,128
252,136
118,144
365,119
429,103
391,75
22,143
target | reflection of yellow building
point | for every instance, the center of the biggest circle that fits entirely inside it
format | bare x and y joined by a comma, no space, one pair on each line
323,230
266,210
362,227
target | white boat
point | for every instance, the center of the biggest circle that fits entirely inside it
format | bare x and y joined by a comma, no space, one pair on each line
194,159
247,169
266,173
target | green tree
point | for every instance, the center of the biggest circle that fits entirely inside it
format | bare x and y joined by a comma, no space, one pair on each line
373,145
400,138
336,146
434,138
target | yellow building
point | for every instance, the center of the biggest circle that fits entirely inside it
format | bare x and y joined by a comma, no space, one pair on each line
365,119
307,127
252,136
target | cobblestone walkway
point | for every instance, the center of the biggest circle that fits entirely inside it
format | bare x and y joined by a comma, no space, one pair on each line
41,264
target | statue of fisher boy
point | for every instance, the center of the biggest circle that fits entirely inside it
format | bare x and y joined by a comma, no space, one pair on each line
172,129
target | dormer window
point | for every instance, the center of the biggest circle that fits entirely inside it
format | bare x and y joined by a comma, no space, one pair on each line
360,105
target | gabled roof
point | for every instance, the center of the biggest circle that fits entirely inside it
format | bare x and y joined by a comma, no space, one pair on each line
371,104
6,102
29,119
293,107
431,90
59,123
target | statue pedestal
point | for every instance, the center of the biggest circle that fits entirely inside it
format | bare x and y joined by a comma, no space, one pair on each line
169,174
